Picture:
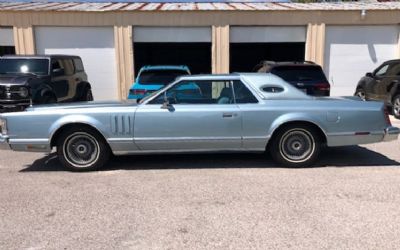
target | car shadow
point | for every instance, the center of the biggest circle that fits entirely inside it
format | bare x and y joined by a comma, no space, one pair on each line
351,156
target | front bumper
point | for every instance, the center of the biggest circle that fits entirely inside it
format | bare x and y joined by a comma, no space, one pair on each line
4,142
10,106
391,133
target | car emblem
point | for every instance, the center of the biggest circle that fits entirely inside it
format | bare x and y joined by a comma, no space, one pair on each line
300,84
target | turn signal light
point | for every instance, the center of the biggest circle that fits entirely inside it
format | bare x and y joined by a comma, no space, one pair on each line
386,113
138,91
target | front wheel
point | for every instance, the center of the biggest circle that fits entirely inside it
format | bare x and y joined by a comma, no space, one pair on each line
396,106
295,146
82,149
360,93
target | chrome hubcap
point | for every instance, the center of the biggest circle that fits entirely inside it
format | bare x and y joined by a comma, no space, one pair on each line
297,145
361,94
396,107
81,149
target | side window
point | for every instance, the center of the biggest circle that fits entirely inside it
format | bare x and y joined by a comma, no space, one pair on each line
198,92
64,64
243,94
394,70
78,65
382,71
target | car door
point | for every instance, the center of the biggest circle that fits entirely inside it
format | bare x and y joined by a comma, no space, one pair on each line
200,115
390,82
60,78
374,87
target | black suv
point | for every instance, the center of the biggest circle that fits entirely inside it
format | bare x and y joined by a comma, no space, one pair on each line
306,76
382,85
26,80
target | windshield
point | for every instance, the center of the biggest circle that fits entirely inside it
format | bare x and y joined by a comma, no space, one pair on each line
300,73
24,66
159,77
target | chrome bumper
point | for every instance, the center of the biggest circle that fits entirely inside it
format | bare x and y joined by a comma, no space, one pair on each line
4,142
391,133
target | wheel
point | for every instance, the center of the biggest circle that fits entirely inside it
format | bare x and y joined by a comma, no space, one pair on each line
396,106
82,149
87,95
49,99
295,146
360,93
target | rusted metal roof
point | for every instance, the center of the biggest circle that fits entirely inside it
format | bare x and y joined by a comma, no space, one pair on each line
202,6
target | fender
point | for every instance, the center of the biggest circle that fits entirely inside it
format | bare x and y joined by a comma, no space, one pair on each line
76,119
297,117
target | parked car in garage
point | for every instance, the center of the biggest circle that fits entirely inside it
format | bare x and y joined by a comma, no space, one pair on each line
259,113
383,84
306,76
26,80
152,78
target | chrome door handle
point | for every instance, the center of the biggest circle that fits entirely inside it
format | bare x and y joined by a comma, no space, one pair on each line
228,115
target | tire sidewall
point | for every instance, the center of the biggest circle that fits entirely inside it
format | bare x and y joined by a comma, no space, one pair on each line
276,145
102,147
394,100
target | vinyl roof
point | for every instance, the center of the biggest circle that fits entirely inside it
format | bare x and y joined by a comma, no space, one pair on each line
188,6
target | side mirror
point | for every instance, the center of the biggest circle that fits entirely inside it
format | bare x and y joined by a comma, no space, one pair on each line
168,104
58,72
369,74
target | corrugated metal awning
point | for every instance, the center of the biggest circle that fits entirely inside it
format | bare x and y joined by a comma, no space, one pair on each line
187,6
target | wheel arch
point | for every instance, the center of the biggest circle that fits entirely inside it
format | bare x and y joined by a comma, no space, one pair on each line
321,132
70,122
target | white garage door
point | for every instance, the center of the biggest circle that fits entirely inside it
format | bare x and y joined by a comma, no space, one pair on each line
6,37
95,45
352,51
267,34
171,34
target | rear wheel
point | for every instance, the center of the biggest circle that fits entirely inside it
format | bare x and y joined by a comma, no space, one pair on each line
87,95
295,146
82,149
48,99
396,106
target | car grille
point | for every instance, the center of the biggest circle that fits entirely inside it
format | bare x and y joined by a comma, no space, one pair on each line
10,93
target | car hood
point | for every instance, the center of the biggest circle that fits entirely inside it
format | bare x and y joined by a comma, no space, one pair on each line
15,79
82,105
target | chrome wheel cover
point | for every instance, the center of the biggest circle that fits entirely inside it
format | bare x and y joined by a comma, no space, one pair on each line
297,145
81,149
396,107
361,94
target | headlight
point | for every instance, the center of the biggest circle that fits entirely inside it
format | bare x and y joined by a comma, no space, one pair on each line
23,92
3,126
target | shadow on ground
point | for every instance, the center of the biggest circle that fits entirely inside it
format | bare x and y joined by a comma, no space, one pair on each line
352,156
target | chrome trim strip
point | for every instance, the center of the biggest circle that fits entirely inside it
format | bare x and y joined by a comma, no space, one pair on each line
376,132
120,139
172,151
25,141
186,138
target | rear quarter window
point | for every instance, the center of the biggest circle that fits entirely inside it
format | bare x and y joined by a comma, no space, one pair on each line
78,65
300,73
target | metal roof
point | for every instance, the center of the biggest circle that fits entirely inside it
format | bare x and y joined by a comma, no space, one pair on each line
187,6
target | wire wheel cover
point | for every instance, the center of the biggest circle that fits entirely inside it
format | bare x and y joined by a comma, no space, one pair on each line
297,145
81,149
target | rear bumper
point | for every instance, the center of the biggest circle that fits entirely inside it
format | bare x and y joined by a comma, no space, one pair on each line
4,142
391,133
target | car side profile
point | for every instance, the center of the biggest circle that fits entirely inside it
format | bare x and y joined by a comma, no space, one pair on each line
383,84
26,80
153,77
231,113
306,76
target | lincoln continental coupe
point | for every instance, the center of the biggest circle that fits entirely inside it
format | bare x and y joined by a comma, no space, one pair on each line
200,113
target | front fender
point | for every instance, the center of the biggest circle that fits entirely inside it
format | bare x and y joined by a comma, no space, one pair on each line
78,119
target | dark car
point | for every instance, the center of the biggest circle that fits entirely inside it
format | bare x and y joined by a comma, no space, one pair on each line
26,80
382,85
306,76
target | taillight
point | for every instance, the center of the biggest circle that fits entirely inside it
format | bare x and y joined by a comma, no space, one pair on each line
138,91
322,86
386,114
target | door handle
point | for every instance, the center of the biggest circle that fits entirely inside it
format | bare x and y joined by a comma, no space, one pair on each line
228,115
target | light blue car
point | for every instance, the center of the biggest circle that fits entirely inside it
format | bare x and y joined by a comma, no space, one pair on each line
153,78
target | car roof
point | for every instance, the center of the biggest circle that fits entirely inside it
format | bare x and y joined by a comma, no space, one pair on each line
39,56
165,67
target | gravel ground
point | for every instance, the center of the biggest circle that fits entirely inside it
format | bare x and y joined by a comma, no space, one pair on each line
350,200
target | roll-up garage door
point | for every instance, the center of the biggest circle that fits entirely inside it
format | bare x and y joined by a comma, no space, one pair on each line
95,45
190,46
352,51
250,45
6,41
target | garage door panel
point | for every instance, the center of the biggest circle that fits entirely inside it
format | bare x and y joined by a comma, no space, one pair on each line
351,51
95,45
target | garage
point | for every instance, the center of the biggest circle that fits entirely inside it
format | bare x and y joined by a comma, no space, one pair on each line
352,51
189,46
6,41
250,45
95,45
